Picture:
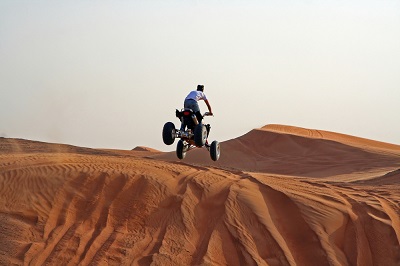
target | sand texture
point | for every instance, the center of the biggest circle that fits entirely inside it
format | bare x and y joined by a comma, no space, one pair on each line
279,195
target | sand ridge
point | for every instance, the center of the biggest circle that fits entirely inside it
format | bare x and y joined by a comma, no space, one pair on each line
67,205
334,136
299,152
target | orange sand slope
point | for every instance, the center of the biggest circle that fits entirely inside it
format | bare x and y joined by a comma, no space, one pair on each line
301,152
65,205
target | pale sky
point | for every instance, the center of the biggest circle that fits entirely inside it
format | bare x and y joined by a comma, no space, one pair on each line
109,74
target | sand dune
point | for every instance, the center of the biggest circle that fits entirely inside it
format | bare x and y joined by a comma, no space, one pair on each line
145,149
296,151
275,198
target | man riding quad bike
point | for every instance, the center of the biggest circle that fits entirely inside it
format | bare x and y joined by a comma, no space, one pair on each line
192,133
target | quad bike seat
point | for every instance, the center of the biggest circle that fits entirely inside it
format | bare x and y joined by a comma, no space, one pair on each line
186,117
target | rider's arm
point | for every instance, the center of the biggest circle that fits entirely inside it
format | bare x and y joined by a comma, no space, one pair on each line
209,106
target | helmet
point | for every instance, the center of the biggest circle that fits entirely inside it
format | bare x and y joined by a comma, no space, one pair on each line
200,87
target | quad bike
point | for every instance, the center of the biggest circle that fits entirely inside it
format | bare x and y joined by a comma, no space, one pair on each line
194,135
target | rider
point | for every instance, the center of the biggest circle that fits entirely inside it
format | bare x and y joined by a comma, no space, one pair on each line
192,99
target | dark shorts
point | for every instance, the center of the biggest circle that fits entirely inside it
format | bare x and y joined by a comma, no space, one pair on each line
192,104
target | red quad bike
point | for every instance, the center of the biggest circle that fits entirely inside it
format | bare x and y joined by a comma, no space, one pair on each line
194,135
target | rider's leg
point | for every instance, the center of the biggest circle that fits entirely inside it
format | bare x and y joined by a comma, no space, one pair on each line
192,104
199,116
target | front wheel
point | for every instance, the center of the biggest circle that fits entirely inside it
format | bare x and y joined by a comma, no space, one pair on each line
200,135
181,149
215,150
168,133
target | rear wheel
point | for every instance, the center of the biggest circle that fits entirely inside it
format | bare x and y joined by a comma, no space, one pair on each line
215,150
168,133
200,135
181,149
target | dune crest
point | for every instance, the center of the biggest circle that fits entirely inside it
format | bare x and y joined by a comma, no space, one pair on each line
339,137
143,148
302,152
314,202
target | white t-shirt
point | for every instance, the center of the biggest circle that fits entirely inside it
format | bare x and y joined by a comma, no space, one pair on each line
196,95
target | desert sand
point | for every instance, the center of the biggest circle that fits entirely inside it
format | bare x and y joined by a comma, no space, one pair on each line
279,195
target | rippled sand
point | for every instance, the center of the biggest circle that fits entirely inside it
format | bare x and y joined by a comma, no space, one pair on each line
279,195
